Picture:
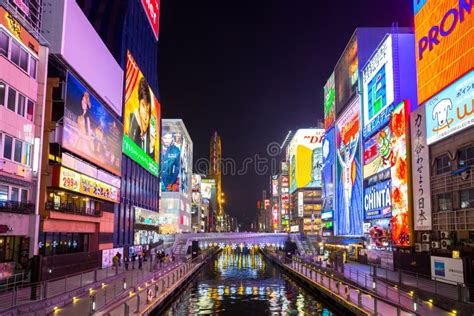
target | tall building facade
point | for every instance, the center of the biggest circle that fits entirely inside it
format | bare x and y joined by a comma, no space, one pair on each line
23,64
136,51
215,173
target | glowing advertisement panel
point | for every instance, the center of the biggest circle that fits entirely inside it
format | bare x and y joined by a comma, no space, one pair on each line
378,86
329,102
378,232
443,37
420,171
90,130
377,200
141,139
447,270
206,189
152,10
327,170
305,159
400,174
275,187
450,111
349,172
196,182
378,152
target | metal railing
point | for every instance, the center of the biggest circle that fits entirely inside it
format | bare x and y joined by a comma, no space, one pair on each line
17,207
71,208
364,292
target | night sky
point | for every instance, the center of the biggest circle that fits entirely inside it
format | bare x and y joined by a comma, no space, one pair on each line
254,69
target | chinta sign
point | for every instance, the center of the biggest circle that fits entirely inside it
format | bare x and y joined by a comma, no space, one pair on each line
443,32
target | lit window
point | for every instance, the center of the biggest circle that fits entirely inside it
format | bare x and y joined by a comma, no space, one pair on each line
4,44
15,53
466,198
24,59
445,202
3,192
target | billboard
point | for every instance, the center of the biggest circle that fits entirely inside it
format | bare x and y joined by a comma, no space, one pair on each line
108,256
378,86
349,172
90,130
275,187
196,182
305,154
206,188
346,75
80,183
400,176
451,110
141,139
327,170
152,10
329,102
378,231
176,159
443,34
377,200
378,152
420,171
300,204
447,270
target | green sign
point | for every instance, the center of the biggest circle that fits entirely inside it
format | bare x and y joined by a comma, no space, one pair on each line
138,155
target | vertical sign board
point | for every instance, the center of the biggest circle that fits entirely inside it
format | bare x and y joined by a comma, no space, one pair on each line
329,102
300,204
420,171
443,34
348,191
152,10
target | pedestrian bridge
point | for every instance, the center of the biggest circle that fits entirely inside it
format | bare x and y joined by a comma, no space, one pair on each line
184,241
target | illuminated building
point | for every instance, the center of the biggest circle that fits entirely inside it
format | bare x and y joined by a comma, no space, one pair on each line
215,173
23,64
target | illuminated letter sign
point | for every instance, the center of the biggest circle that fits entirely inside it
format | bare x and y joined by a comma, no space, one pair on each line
152,9
377,200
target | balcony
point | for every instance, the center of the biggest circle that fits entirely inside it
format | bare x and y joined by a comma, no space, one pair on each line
17,207
71,208
453,181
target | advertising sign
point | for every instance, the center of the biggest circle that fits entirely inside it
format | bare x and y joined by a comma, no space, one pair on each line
349,172
378,86
152,10
443,33
141,140
377,200
275,187
378,152
146,217
196,197
327,170
108,256
275,216
300,204
206,188
378,231
346,75
329,102
90,130
20,33
266,203
420,171
306,159
447,270
196,182
284,167
451,110
399,172
74,181
176,158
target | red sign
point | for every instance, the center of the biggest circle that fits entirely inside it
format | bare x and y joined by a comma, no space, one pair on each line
152,9
267,203
4,229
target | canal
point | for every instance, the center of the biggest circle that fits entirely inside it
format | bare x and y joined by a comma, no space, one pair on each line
245,284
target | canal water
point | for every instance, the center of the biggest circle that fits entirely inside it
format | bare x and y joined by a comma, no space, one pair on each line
245,284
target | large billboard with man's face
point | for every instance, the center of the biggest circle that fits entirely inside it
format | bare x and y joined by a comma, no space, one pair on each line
349,172
305,156
443,32
141,120
90,130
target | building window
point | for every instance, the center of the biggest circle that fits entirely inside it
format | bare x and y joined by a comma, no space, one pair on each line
24,196
32,67
20,109
445,202
15,195
4,44
11,99
29,110
466,198
18,149
7,147
443,164
15,53
3,192
466,157
24,59
2,93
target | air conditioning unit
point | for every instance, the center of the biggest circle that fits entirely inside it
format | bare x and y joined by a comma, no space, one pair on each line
425,237
425,247
435,244
417,247
445,243
444,235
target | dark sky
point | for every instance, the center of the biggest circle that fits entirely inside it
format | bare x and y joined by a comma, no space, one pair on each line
254,69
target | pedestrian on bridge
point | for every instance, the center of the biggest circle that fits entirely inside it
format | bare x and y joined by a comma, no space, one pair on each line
140,261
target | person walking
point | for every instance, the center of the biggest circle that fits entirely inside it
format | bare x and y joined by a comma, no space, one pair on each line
140,261
134,257
115,262
126,261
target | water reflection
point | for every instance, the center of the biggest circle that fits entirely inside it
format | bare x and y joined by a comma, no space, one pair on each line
240,281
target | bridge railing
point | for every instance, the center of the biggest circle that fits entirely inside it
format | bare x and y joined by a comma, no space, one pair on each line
381,299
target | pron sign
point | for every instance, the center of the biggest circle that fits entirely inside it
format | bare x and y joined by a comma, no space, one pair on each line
152,9
443,33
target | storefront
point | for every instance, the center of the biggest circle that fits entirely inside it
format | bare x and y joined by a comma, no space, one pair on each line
146,227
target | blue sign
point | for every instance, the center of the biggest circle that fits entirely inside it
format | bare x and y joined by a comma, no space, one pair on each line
327,171
418,4
377,200
451,110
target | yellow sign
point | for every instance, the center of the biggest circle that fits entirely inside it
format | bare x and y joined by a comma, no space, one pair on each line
74,181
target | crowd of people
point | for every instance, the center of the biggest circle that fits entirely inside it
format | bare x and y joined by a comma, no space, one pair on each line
160,259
